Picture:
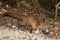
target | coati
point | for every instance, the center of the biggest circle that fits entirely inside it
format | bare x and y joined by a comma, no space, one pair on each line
25,20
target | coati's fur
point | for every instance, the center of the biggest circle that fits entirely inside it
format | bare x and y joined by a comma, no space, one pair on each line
30,20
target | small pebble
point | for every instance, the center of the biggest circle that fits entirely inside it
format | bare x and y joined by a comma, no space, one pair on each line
7,6
13,26
51,32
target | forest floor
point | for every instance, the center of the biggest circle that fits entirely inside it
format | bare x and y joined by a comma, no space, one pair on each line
10,27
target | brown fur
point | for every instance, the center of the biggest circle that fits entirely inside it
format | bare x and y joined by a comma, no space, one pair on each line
30,21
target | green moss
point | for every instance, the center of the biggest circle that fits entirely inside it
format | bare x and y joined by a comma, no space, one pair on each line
50,15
